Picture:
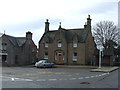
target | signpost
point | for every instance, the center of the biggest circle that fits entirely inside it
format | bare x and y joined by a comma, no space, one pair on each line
99,58
100,54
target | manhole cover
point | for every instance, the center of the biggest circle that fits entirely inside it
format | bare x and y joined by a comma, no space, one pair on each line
84,83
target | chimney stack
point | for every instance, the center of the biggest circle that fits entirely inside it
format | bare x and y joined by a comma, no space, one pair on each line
88,20
28,35
46,26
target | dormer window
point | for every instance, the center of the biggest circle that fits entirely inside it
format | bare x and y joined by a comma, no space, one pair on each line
75,43
75,40
46,45
59,43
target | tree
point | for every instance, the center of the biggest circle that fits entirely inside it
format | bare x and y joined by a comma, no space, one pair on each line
105,32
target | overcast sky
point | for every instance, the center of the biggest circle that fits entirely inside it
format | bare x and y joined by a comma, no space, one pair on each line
19,16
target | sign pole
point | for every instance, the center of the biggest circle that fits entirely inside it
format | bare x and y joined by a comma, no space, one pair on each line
99,58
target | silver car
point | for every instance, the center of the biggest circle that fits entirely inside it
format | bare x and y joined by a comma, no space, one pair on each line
44,63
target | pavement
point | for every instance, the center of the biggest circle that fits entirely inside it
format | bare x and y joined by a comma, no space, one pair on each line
93,68
105,69
76,66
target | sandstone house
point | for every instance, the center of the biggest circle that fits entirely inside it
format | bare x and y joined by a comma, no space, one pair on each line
68,46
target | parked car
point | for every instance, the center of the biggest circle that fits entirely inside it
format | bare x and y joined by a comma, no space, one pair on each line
44,63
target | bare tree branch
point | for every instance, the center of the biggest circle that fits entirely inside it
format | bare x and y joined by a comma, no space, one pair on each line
105,31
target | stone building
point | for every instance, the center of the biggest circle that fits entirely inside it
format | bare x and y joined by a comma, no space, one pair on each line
68,46
17,50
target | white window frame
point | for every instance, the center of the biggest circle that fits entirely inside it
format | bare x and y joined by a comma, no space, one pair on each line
46,45
75,57
59,43
56,56
75,44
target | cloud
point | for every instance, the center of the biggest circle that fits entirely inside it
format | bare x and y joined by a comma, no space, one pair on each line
102,7
19,16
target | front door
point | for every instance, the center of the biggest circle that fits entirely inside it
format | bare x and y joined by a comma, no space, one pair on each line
60,57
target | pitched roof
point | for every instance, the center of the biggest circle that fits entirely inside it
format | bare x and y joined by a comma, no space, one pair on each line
16,41
69,33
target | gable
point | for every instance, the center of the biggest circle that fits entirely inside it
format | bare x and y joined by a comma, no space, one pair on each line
71,32
16,41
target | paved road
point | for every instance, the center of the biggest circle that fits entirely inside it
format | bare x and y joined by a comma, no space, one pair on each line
31,77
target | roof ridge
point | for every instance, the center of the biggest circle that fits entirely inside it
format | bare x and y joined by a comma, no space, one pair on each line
76,29
20,37
9,35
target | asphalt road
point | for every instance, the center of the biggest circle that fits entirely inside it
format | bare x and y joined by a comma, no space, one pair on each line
31,77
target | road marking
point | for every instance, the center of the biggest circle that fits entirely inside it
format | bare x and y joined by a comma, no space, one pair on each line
52,79
62,79
92,76
103,74
87,77
12,79
41,80
23,79
96,76
99,75
80,78
72,79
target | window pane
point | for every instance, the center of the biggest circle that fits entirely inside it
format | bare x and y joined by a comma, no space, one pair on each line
46,44
75,43
55,56
74,56
59,43
4,46
46,56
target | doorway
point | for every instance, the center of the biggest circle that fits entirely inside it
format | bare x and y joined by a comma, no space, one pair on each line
59,57
4,58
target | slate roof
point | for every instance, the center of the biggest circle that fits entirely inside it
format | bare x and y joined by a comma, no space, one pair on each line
81,33
16,41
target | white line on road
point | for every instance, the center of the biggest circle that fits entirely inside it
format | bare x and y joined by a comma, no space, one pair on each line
52,79
13,79
92,76
87,77
80,78
72,78
23,79
41,80
96,76
62,79
99,75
